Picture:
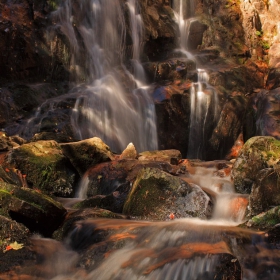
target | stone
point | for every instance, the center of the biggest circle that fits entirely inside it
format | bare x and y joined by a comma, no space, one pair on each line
86,214
171,156
36,211
258,153
265,191
156,194
119,175
129,152
266,220
45,167
87,153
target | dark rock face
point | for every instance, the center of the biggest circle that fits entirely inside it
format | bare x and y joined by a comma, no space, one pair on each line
36,211
265,192
27,53
263,114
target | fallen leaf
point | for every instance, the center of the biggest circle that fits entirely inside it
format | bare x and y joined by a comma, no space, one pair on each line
14,246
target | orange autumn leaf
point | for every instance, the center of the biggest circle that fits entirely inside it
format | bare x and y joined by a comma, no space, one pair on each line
7,169
8,248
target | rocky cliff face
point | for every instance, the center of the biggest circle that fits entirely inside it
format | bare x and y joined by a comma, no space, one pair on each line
236,42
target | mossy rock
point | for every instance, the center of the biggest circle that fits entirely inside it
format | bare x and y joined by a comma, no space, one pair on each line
156,194
86,153
45,167
258,152
266,220
35,210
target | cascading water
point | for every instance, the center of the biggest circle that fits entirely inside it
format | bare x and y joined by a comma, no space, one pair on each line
203,96
112,103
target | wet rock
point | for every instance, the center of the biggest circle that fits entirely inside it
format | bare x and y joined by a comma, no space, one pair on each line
118,175
265,192
10,232
113,202
86,153
258,153
170,156
35,210
266,220
273,78
173,119
129,152
86,214
7,143
263,114
45,167
228,127
156,194
170,70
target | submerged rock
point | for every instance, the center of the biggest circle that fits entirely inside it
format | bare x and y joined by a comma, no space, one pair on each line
74,217
45,167
258,153
156,194
86,153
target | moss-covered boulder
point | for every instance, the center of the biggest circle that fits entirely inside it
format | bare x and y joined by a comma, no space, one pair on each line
156,195
35,210
45,167
265,192
266,220
258,153
86,153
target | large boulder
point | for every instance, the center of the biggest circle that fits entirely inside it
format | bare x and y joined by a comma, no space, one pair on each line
45,167
265,191
156,195
118,176
258,153
86,153
36,211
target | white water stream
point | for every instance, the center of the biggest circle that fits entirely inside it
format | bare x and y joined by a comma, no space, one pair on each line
112,101
203,95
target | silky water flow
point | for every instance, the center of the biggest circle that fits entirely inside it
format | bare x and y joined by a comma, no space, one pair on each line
104,249
112,102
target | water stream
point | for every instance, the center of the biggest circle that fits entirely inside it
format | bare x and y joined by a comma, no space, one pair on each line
112,101
204,98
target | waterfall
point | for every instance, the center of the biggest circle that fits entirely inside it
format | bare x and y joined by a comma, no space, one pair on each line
112,101
203,96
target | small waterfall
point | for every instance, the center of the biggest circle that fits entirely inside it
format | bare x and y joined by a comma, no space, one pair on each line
203,97
112,102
